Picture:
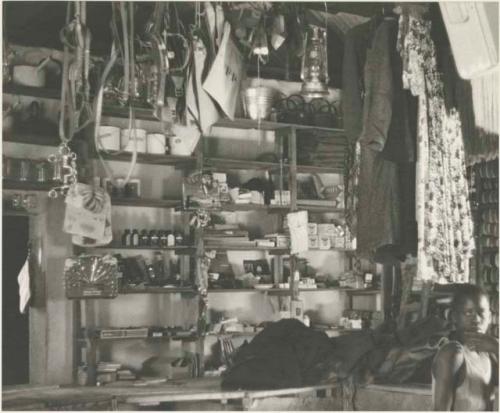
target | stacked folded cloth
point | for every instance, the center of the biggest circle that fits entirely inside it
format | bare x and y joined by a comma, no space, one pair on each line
319,151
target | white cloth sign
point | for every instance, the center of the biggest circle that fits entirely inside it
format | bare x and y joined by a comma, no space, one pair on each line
299,239
23,279
224,79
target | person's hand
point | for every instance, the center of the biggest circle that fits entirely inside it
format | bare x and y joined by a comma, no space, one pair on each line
481,342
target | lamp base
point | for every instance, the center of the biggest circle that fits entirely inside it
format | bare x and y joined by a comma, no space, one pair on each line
314,89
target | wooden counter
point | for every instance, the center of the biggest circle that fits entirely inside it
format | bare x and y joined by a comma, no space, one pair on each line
205,394
402,397
193,394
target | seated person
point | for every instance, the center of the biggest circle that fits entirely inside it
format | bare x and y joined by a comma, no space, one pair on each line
465,370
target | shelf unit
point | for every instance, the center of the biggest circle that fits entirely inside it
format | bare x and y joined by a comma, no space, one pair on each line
199,160
213,163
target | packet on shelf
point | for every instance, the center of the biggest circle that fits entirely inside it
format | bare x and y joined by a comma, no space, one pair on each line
326,229
133,138
156,143
281,198
324,242
313,242
312,228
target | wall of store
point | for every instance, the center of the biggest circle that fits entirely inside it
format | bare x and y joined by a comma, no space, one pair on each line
51,325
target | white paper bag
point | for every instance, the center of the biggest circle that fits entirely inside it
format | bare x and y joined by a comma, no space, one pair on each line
224,79
86,211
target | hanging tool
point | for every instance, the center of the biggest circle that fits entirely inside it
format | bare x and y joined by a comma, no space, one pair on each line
73,39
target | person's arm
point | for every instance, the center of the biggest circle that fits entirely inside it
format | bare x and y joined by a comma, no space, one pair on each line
482,342
445,371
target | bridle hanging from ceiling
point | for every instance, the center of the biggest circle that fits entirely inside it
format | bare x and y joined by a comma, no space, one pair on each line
125,49
76,111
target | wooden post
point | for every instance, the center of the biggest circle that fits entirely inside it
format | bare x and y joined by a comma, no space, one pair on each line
292,187
201,276
292,161
77,322
424,299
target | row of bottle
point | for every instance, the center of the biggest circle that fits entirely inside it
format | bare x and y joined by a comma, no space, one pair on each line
152,238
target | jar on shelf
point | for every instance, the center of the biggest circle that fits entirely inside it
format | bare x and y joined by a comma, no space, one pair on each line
126,238
144,238
170,239
179,238
134,238
154,240
163,239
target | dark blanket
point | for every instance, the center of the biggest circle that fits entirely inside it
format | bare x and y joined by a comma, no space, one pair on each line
289,354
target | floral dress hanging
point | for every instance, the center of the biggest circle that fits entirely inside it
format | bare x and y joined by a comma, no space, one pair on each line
445,228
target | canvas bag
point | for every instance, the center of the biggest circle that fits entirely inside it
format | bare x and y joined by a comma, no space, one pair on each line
224,79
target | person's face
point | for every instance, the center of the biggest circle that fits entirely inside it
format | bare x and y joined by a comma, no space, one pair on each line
474,316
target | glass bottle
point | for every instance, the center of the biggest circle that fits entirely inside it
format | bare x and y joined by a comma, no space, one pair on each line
134,238
179,239
154,240
126,238
170,239
144,238
163,239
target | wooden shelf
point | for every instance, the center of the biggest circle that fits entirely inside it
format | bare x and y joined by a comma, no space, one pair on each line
215,164
223,164
241,123
17,213
234,334
146,202
271,250
489,250
149,159
239,290
333,249
123,112
270,209
97,339
31,139
273,291
302,204
37,92
157,290
28,186
355,291
244,207
311,169
179,249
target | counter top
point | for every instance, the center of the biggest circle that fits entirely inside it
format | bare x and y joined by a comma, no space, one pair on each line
21,397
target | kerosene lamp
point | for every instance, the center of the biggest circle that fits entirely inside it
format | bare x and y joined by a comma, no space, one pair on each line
314,72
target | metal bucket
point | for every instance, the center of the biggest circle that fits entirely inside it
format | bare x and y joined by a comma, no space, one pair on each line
258,102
